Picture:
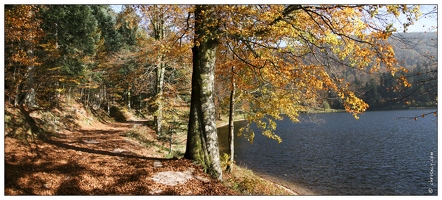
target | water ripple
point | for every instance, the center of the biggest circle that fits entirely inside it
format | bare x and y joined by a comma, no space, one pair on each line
376,155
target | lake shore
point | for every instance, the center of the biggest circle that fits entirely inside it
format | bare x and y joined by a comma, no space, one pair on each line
316,156
242,174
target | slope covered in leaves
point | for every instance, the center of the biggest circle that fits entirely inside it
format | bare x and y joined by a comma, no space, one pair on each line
98,159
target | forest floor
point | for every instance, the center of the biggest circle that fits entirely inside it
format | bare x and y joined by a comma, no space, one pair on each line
100,159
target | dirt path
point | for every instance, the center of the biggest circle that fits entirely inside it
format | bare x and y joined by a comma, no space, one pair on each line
99,160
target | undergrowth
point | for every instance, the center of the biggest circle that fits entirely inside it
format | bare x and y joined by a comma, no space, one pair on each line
247,183
24,124
146,137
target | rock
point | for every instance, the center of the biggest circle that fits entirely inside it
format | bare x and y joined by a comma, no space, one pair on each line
118,150
202,179
157,164
171,178
156,191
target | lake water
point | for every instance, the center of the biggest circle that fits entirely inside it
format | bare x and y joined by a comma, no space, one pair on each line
334,154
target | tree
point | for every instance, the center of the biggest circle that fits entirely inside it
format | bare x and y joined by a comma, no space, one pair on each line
107,25
127,24
316,38
73,29
71,41
95,89
202,139
156,15
372,96
162,49
231,137
22,38
423,79
122,68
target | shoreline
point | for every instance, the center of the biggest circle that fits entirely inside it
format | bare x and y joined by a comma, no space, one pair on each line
273,181
249,175
279,185
223,124
294,188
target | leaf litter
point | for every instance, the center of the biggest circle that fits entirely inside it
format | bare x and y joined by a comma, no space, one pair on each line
99,160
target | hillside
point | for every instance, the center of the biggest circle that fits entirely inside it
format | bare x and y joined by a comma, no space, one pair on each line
96,156
411,48
417,53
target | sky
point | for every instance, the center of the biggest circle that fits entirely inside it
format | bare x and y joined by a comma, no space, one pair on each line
421,26
424,24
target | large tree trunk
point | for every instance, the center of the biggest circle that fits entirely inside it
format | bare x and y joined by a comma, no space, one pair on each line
202,140
195,142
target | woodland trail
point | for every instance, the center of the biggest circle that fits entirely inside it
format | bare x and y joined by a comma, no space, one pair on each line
100,160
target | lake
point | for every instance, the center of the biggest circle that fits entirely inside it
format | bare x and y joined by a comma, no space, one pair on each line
335,154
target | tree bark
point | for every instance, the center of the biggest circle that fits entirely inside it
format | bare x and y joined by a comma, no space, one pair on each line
128,98
194,145
231,137
159,99
158,27
202,140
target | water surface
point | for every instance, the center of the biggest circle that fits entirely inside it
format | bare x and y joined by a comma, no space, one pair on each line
334,154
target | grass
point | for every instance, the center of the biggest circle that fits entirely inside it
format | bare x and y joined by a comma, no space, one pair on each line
247,183
244,180
147,139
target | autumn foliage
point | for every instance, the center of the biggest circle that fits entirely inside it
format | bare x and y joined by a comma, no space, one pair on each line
285,56
282,59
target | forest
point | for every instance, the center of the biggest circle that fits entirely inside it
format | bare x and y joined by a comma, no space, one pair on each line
182,68
416,52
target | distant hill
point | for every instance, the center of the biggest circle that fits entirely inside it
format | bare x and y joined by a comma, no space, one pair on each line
417,52
410,48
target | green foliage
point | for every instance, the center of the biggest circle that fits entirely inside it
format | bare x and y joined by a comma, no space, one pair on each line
107,25
65,52
73,29
225,161
127,23
247,185
326,105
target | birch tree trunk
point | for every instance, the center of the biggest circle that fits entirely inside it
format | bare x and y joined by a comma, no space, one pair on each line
159,100
231,137
158,28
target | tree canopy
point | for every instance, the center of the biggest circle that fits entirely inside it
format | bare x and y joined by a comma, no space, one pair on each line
286,54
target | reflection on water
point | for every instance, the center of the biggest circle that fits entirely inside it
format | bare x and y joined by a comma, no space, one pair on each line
375,155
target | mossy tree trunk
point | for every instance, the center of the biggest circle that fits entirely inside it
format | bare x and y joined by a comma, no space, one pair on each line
202,140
